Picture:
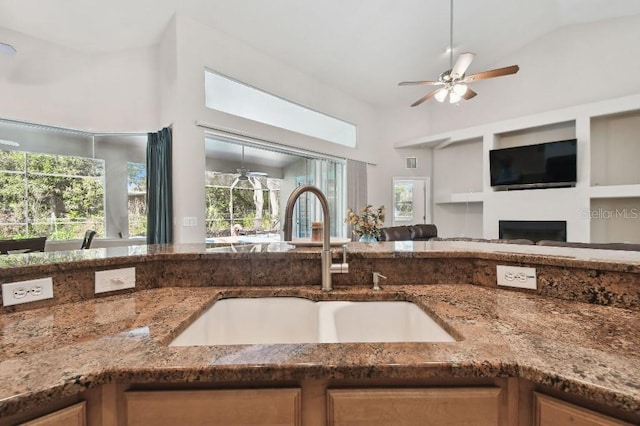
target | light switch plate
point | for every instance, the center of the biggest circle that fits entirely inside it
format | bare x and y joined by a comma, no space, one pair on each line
27,291
115,279
517,276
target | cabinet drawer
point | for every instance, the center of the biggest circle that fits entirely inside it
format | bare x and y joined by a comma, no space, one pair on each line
550,411
74,415
214,407
433,406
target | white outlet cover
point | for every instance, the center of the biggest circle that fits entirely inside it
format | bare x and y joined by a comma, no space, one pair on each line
517,276
27,291
115,279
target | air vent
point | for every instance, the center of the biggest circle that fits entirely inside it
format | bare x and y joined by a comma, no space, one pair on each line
411,162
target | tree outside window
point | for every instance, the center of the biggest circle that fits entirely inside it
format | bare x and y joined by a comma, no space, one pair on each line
241,206
403,201
137,199
49,195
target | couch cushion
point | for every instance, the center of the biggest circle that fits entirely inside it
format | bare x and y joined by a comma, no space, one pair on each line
395,233
423,231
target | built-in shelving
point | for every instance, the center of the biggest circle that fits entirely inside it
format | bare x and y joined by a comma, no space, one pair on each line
608,173
615,191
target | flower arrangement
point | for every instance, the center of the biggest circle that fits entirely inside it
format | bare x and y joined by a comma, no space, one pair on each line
368,223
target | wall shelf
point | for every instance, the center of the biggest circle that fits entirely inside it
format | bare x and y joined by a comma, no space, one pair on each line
461,197
615,191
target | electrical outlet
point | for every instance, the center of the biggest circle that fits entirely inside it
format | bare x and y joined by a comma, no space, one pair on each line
27,291
190,221
517,276
115,279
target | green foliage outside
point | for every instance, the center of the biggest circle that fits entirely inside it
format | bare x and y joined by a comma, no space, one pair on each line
403,201
219,197
48,195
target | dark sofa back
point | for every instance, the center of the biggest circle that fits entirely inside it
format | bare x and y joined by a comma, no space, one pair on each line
420,232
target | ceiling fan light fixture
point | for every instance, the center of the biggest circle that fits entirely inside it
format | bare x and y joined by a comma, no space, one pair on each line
441,94
460,89
454,98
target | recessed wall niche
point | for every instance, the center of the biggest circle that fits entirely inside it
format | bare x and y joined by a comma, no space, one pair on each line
615,149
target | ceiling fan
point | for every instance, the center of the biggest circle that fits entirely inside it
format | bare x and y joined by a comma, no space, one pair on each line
244,173
454,81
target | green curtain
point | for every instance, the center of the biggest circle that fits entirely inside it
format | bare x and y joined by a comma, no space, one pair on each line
159,192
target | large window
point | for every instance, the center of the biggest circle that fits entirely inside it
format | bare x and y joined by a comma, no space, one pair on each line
50,195
230,96
59,183
247,187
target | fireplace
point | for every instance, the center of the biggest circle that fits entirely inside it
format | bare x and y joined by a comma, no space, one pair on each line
534,230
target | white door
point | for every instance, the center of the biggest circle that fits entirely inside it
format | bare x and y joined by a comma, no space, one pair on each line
410,201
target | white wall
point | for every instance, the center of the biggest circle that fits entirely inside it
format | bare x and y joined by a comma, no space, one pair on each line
197,47
570,67
48,84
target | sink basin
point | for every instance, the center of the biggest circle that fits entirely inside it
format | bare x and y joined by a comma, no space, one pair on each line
272,320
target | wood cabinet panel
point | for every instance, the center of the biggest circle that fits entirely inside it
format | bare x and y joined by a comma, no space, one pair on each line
550,411
214,407
74,415
420,406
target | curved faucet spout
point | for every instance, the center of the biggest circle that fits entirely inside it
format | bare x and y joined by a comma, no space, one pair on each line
326,231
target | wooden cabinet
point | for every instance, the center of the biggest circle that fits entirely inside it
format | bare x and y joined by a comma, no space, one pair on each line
213,407
421,406
550,411
74,415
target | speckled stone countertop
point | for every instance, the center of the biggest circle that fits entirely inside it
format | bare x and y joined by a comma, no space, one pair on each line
613,260
588,350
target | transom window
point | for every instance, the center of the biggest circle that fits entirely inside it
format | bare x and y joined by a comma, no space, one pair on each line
230,96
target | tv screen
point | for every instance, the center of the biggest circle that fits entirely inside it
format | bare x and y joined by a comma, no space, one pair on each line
551,164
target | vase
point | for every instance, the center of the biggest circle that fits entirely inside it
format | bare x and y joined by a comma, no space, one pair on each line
368,239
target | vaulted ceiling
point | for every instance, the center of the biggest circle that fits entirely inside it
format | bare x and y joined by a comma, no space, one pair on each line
362,47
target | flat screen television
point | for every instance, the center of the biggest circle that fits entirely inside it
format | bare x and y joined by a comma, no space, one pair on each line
544,165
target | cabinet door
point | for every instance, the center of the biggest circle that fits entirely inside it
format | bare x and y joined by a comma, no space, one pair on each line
424,407
554,412
214,407
74,415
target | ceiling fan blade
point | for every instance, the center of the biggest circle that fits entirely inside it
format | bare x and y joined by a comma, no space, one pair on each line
499,72
469,94
424,82
424,98
461,65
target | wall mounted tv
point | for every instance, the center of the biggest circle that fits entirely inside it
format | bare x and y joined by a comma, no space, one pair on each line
551,164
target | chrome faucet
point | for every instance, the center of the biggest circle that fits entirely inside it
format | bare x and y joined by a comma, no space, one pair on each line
325,257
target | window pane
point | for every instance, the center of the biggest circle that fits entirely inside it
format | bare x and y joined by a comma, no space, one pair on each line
64,165
403,201
51,195
241,206
137,199
232,97
64,207
11,161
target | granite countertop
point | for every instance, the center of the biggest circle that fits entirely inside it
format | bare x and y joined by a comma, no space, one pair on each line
588,350
610,260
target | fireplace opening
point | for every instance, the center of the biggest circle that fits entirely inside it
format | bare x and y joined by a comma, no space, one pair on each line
534,230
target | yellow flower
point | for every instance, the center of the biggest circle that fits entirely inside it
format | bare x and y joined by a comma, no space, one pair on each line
368,222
